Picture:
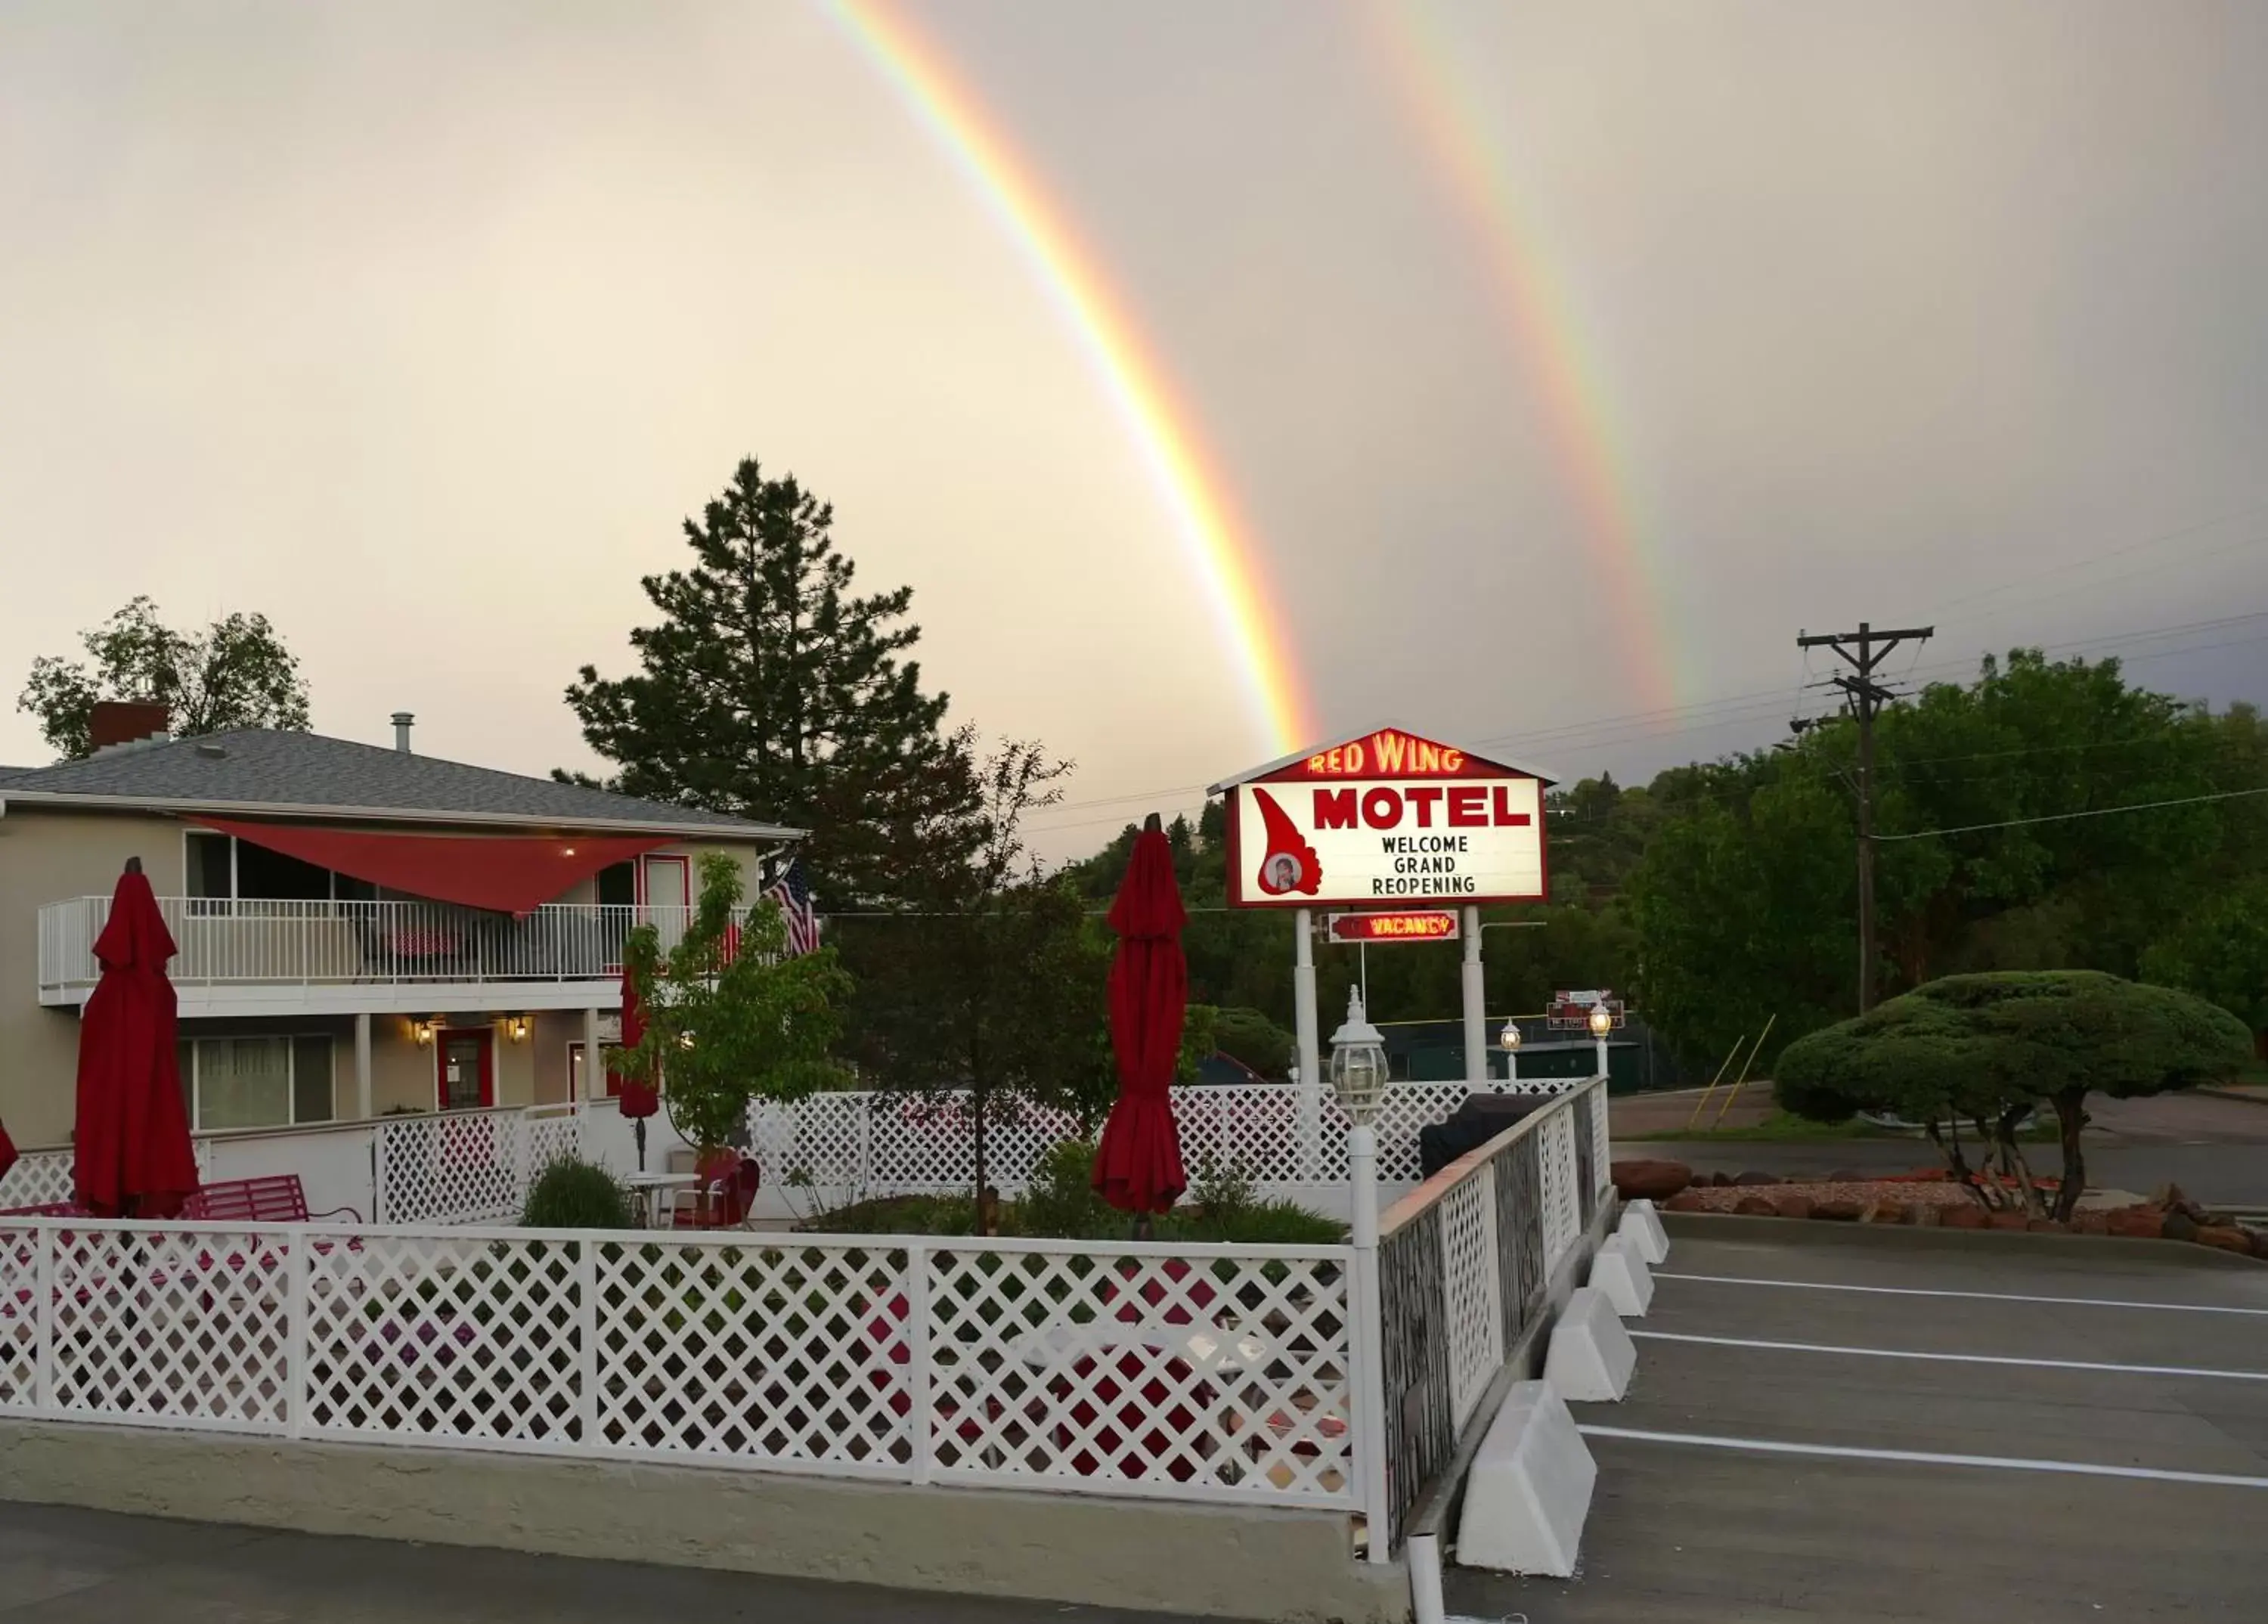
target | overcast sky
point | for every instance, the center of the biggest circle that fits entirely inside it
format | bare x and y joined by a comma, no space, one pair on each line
420,327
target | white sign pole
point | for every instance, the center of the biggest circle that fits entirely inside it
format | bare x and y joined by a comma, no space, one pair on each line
1476,1000
1311,1064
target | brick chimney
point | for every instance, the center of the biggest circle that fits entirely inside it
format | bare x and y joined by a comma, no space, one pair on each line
122,721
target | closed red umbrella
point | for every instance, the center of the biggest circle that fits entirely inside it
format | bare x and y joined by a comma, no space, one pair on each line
7,1151
133,1155
640,1100
1137,1167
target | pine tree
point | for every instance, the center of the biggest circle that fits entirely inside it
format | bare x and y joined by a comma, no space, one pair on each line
770,690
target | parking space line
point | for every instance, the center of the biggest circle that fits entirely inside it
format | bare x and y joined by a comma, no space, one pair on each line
1900,1353
2003,1462
1980,1296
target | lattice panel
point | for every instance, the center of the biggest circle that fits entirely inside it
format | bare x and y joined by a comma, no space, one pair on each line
1421,1433
1602,1152
795,1353
465,1339
1519,1234
181,1325
1469,1287
548,1138
1557,1151
453,1168
37,1179
1093,1370
19,1318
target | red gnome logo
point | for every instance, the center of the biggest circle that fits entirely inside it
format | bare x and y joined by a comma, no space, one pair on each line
1291,864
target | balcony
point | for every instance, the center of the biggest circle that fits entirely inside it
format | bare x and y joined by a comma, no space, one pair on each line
256,957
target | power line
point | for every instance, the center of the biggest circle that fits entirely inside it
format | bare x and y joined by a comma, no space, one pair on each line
2064,817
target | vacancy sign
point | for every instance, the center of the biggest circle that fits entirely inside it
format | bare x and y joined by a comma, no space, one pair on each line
1400,925
1387,817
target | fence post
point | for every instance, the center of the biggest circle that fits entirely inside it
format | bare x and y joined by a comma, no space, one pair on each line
917,1363
586,1289
43,1278
378,1204
863,1174
295,1337
1367,1390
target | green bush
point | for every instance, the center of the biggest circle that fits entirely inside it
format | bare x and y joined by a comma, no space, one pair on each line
1249,1036
1061,1199
572,1194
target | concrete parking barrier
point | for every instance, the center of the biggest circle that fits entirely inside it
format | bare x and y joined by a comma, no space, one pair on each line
1592,1356
1620,1273
1642,1226
1530,1488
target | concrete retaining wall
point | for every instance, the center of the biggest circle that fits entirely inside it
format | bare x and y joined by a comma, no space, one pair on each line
1239,1563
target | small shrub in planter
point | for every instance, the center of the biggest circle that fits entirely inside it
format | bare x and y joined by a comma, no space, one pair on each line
573,1194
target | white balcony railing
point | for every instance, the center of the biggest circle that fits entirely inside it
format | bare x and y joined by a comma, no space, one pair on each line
354,943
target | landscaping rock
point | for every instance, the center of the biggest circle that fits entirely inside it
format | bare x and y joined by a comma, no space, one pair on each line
1928,1215
1755,1207
1884,1212
1753,1177
2260,1242
1837,1212
2228,1238
1846,1176
2091,1222
1651,1181
2179,1226
2047,1226
2137,1223
1792,1205
1720,1180
1685,1201
1962,1217
2007,1221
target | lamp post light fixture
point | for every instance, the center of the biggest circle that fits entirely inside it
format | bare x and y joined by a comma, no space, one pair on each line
1358,1066
1602,1021
1510,1039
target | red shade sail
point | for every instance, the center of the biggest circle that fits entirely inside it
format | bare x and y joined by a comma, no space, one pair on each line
133,1156
507,873
1137,1167
639,1099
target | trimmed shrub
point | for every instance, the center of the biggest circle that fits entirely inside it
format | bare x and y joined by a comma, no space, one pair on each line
573,1194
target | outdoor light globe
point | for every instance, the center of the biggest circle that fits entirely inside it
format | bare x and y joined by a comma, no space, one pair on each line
1510,1037
1358,1063
1602,1020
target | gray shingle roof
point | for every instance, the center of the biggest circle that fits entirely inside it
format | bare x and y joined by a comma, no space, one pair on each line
255,769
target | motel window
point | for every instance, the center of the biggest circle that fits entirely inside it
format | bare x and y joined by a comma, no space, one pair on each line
618,885
222,870
264,1082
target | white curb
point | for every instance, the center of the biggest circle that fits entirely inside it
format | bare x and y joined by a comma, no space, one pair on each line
1642,1226
1530,1488
1592,1356
1620,1273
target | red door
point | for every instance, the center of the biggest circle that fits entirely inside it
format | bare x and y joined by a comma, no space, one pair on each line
464,1059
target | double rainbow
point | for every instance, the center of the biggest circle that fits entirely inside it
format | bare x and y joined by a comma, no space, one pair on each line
1448,114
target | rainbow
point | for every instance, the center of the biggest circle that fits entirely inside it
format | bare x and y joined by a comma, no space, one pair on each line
1220,546
1439,97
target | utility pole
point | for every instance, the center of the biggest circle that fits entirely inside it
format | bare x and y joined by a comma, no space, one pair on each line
1864,649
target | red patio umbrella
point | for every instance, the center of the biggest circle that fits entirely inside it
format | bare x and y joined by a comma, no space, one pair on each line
7,1151
1137,1167
133,1155
640,1100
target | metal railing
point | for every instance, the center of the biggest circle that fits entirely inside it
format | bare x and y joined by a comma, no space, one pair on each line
1464,1262
357,943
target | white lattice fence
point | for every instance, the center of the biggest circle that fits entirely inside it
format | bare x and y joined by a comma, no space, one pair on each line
1196,1372
466,1167
1469,1287
42,1177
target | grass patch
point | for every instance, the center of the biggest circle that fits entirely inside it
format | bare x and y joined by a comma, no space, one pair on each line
1250,1224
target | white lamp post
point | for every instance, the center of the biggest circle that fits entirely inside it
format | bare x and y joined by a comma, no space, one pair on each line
1358,1074
1510,1039
1602,1021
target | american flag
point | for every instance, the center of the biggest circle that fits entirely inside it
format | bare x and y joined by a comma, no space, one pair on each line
792,890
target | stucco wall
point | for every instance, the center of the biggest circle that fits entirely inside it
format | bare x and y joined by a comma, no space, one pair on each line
45,858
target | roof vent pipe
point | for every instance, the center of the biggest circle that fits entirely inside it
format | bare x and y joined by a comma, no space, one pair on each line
401,720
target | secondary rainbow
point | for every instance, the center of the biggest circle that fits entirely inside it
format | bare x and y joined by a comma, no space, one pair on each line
1440,100
1221,547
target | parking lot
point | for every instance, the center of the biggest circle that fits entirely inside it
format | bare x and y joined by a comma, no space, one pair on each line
1836,1424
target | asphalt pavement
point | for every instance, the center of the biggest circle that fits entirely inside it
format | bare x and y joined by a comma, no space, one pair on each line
1836,1477
64,1566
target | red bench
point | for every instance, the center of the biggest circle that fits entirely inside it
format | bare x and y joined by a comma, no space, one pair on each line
278,1198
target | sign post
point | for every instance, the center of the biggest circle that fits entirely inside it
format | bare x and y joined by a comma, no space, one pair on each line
1415,834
